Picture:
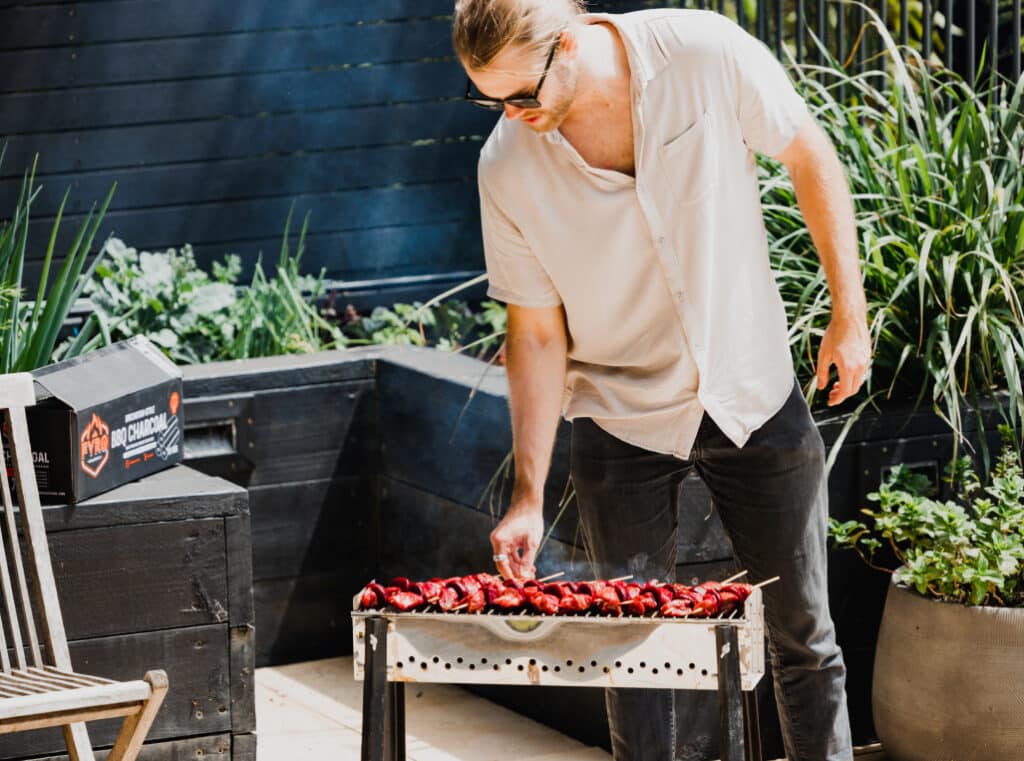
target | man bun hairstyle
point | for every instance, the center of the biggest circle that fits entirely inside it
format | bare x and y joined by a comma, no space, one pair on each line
483,28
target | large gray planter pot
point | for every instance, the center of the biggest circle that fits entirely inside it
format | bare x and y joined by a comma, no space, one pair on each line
949,680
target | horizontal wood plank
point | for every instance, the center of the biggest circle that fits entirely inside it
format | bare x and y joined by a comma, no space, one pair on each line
154,576
311,527
219,97
304,618
265,217
250,375
181,58
26,25
178,493
208,748
215,180
126,147
313,433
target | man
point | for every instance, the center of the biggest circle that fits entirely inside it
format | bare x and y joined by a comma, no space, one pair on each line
622,225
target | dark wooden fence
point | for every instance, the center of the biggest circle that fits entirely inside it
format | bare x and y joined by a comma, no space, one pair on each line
215,118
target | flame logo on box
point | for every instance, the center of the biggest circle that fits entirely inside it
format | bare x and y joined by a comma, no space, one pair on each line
95,447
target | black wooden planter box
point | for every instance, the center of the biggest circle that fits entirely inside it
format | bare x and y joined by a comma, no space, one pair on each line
299,433
157,574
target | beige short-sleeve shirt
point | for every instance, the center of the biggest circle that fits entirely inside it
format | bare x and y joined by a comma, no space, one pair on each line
671,304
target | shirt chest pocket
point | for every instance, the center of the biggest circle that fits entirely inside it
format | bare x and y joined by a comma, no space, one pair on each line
689,161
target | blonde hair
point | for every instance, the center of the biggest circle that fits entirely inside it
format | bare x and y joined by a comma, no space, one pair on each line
483,28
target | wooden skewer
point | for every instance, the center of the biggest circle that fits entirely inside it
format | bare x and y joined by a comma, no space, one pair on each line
767,581
552,576
621,578
458,607
733,577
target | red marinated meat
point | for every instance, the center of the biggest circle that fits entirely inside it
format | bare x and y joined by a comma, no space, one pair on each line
406,601
544,603
431,590
449,599
369,600
460,588
634,607
649,600
557,588
664,594
575,603
476,601
510,599
401,582
590,587
607,601
626,591
677,608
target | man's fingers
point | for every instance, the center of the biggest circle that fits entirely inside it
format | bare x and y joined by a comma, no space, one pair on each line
505,569
824,362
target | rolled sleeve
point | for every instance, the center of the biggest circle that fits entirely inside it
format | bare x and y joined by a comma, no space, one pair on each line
514,273
769,109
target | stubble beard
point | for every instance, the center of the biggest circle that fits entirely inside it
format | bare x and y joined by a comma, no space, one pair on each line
553,116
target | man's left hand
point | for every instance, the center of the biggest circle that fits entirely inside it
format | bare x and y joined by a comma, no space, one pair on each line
847,345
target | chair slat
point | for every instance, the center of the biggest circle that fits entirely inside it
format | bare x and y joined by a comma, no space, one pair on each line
35,540
44,683
17,680
82,680
9,691
10,607
70,700
17,390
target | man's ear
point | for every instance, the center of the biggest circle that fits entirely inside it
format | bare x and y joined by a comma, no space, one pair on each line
569,43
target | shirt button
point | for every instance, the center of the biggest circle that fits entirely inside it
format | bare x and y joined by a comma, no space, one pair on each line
661,240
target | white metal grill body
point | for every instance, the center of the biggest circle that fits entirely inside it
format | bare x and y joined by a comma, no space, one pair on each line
565,651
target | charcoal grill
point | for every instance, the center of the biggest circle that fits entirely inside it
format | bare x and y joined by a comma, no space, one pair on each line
724,653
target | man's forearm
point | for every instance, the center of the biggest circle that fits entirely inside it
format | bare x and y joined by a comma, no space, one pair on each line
823,194
536,375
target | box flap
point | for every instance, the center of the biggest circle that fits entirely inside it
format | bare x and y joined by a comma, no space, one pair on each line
108,373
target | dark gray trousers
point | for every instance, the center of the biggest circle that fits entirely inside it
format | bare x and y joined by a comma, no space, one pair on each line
772,497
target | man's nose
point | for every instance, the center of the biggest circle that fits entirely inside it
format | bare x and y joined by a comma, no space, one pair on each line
513,112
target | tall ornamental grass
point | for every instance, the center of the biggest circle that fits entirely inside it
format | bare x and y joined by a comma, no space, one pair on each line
935,169
28,331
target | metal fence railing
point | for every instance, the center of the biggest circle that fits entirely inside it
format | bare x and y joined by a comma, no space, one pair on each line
971,37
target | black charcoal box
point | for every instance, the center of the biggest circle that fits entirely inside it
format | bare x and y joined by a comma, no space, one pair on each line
103,419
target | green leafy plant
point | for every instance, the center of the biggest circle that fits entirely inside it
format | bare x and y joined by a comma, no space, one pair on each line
279,315
29,330
969,549
195,316
164,296
934,169
449,325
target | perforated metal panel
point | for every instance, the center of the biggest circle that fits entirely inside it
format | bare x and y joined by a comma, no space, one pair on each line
568,651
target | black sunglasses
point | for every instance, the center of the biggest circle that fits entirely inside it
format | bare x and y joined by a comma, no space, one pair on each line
528,101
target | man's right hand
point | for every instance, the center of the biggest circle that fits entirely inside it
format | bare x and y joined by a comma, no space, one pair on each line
518,537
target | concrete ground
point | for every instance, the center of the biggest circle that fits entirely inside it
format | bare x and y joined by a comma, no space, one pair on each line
313,711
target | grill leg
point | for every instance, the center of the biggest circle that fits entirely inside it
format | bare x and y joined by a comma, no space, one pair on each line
396,720
375,689
730,694
753,726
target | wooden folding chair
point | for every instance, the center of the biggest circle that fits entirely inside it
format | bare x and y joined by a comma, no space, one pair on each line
39,688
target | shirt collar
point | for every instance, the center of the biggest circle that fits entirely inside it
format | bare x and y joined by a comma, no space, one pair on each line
646,53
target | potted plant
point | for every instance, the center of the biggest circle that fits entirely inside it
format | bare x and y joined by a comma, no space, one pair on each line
948,670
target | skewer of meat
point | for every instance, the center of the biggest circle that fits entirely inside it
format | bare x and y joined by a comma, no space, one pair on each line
475,592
